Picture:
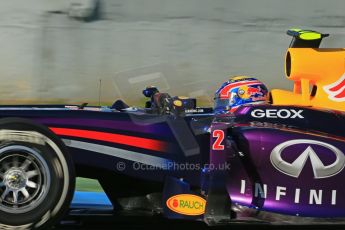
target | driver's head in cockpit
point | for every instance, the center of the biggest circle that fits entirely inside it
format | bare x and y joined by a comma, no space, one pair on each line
238,91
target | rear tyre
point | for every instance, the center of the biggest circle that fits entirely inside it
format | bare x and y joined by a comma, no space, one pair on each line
37,177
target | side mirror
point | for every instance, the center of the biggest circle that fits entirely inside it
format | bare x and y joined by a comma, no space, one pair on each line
150,91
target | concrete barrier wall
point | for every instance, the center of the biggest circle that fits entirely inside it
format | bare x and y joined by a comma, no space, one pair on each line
186,47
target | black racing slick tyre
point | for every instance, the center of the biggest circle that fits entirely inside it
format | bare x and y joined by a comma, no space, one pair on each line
37,177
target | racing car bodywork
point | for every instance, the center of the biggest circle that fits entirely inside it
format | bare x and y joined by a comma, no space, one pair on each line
130,153
273,163
284,160
287,158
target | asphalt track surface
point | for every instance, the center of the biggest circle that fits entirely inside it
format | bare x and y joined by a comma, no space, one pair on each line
131,222
91,210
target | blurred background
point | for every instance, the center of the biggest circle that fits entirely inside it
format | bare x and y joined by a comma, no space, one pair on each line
74,51
65,51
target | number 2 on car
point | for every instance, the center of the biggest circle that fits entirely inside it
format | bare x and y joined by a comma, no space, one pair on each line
219,135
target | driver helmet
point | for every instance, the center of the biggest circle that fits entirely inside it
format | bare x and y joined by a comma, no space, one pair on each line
238,91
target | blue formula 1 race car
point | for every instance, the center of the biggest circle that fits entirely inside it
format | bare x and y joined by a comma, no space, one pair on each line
245,160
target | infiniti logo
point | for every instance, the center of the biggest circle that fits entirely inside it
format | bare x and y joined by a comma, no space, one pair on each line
320,170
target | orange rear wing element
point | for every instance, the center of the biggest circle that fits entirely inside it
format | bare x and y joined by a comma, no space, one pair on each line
318,75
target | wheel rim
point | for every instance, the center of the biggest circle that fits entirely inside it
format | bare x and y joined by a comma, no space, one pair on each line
24,179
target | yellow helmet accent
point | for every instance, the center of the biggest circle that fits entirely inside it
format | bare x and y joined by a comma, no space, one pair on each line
243,92
236,78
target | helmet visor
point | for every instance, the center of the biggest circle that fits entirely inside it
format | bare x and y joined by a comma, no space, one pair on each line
221,104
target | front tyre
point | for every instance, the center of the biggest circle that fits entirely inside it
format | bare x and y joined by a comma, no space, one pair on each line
37,176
